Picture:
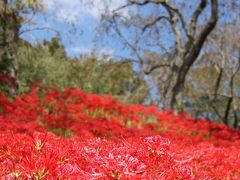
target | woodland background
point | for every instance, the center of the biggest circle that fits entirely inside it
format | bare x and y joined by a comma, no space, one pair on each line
175,54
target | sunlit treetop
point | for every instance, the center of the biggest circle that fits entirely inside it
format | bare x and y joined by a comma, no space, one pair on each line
26,6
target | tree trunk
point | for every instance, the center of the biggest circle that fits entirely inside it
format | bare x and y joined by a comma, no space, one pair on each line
227,111
193,47
235,116
9,31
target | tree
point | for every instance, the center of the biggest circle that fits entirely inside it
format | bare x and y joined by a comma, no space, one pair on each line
221,83
10,22
143,28
9,29
48,63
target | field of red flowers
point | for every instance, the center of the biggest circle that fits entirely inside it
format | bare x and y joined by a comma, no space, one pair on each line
47,134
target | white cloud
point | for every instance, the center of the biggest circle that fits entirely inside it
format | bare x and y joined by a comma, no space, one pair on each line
74,10
104,53
75,51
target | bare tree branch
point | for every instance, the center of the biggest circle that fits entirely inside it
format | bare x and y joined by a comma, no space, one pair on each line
155,22
135,50
39,29
147,2
195,16
147,72
176,29
134,2
175,10
207,28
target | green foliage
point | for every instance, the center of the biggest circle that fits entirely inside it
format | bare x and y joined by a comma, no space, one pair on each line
48,63
200,96
26,6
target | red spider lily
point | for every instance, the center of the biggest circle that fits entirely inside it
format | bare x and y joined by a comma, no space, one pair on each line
101,138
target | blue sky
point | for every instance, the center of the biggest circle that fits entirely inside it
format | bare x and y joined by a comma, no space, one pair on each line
74,20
